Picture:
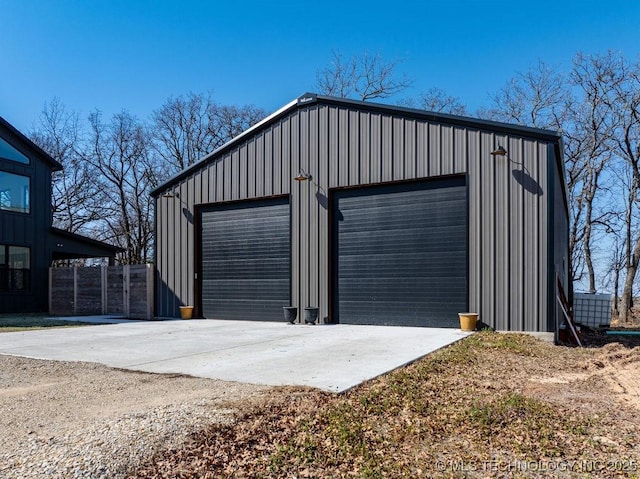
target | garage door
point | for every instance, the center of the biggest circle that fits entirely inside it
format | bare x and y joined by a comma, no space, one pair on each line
245,256
400,254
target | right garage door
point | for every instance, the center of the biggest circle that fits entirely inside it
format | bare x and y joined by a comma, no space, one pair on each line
400,254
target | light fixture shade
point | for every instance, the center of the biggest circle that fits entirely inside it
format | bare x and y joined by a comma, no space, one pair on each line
302,176
500,151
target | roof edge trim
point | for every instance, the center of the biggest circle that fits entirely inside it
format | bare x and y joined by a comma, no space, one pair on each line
55,166
84,239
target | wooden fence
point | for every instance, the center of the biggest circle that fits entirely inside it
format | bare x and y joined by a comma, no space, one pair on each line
119,290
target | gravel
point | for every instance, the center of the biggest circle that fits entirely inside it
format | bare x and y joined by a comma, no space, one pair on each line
83,420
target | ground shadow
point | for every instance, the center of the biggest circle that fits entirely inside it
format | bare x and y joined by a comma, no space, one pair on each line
597,338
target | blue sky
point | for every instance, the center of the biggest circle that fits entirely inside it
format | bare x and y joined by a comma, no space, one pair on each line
133,55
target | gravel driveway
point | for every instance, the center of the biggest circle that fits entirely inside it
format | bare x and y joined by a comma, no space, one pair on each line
82,420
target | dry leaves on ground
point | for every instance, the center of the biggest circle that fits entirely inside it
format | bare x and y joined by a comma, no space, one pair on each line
490,405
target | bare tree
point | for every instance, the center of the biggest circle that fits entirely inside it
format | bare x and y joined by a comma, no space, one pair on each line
588,133
228,121
624,79
180,130
363,77
73,191
185,129
119,151
437,100
109,172
537,98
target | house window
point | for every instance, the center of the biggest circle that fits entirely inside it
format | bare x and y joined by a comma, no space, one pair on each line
8,152
15,268
14,192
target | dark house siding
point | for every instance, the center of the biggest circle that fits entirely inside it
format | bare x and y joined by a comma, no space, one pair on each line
342,144
28,229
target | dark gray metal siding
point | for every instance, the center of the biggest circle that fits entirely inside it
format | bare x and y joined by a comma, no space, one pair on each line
401,254
352,145
30,230
246,260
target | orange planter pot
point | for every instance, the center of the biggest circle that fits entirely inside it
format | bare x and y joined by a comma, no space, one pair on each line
186,312
468,321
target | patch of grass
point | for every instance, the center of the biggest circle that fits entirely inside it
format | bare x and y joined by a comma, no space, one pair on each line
29,322
532,422
522,344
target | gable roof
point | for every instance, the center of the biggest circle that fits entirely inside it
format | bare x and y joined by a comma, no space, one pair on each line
53,164
313,98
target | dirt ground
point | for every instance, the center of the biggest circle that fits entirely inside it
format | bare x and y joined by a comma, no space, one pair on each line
87,420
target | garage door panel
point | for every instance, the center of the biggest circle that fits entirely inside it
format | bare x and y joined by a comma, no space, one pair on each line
250,290
414,318
239,233
437,257
244,269
246,260
389,239
360,223
376,289
401,254
237,309
260,250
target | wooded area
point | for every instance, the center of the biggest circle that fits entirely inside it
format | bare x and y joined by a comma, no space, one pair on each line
111,164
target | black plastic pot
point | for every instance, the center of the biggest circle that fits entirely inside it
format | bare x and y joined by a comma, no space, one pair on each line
310,315
290,314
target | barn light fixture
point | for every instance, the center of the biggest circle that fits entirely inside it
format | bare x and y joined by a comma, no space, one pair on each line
171,195
302,176
500,151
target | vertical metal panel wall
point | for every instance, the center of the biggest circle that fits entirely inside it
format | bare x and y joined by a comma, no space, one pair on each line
344,144
30,230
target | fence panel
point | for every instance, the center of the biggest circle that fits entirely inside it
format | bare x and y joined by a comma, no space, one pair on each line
119,290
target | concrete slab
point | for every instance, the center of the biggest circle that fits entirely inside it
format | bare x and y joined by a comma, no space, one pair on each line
99,319
329,357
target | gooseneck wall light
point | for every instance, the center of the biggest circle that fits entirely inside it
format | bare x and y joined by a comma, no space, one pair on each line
303,176
500,151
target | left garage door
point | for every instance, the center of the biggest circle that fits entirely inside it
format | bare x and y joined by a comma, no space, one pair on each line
246,260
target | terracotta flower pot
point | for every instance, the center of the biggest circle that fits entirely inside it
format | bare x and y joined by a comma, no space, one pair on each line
186,312
468,321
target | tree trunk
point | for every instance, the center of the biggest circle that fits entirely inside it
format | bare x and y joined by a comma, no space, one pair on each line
626,303
587,250
616,285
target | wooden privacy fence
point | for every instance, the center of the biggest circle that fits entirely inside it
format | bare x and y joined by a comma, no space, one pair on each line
119,290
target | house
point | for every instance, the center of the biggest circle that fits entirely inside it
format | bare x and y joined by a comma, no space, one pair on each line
373,213
28,242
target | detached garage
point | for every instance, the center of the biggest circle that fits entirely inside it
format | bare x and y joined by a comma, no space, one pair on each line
372,213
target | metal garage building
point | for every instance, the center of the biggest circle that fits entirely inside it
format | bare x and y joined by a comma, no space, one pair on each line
373,213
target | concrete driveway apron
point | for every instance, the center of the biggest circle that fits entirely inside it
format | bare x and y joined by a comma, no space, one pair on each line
329,357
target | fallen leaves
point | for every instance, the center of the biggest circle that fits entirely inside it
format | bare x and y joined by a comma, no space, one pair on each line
470,403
